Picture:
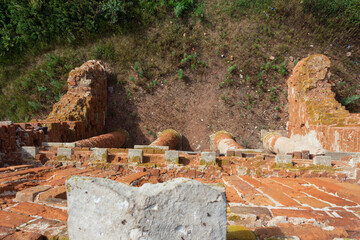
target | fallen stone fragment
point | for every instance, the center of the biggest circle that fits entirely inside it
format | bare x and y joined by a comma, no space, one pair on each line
177,209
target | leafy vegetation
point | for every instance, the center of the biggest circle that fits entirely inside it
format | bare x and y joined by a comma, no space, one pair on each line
158,42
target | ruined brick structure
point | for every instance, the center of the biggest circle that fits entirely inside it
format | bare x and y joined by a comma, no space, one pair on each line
315,117
79,114
289,190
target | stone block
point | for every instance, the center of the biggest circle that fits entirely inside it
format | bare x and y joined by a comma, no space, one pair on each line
208,158
172,157
29,152
99,154
29,194
64,153
135,155
283,159
58,144
151,147
178,209
322,160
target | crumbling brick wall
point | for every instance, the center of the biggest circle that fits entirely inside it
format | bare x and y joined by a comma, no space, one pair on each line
79,114
86,98
315,117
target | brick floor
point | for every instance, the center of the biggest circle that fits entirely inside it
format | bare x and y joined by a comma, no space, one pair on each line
269,205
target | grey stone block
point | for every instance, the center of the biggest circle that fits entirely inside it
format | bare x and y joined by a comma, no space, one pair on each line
29,152
100,208
172,157
58,144
99,154
283,159
322,160
135,155
208,158
64,153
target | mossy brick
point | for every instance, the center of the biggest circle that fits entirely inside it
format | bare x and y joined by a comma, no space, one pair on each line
172,157
208,158
29,152
64,153
283,159
135,155
322,160
99,154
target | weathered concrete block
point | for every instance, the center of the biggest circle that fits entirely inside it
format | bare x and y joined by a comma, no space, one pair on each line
29,152
64,153
29,194
322,160
99,154
283,159
178,209
208,158
58,144
172,157
135,155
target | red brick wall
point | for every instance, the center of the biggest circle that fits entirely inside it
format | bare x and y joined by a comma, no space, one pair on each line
314,114
79,114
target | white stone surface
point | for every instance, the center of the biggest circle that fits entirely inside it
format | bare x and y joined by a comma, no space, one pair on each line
322,160
283,159
208,158
99,154
151,147
64,153
58,144
29,152
135,155
172,157
178,209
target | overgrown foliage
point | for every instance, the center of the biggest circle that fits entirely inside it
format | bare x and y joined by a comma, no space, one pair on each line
155,43
346,12
41,22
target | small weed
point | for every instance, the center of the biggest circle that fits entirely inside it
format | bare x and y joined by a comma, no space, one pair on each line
296,62
136,66
133,114
350,99
231,69
180,73
132,79
282,70
276,116
141,73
